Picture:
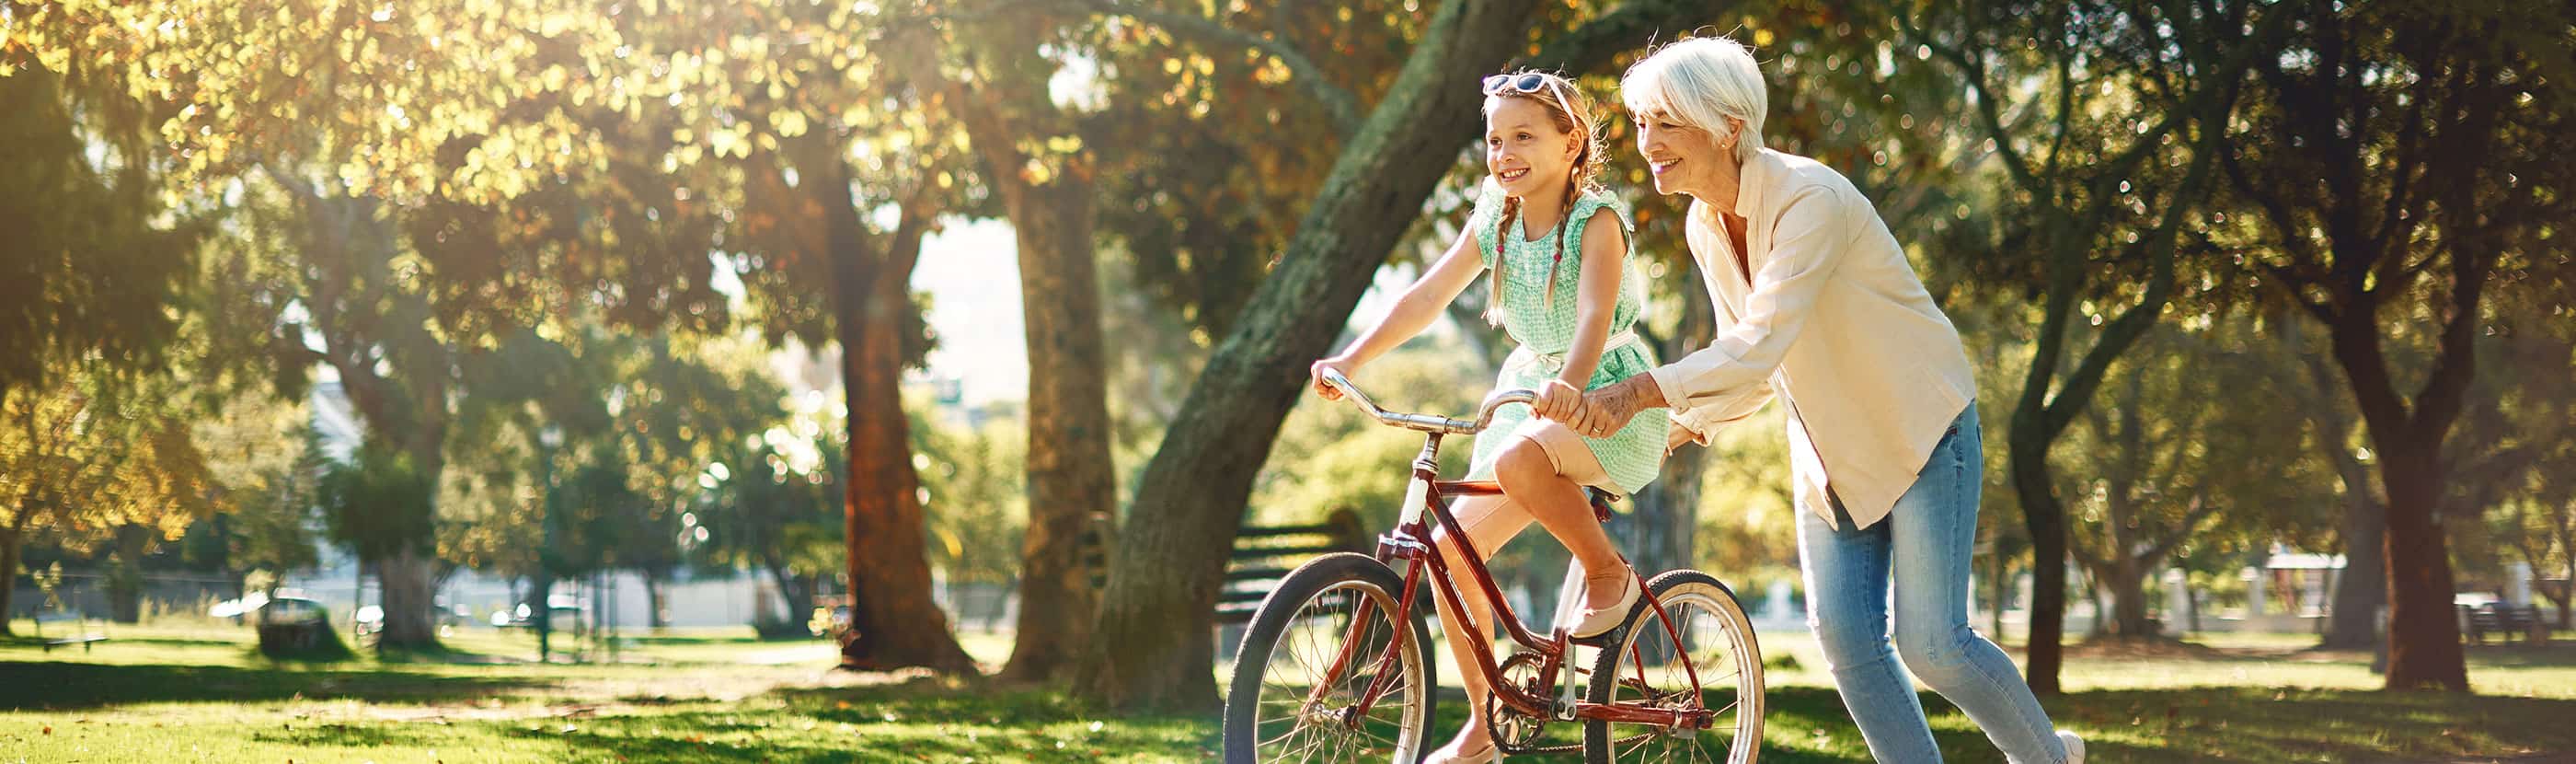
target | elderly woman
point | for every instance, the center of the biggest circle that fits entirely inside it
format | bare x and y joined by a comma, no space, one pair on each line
1816,305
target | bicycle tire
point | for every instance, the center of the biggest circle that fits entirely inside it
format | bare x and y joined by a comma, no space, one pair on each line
1687,595
1282,612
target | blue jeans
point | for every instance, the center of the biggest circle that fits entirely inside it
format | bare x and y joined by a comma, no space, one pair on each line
1925,542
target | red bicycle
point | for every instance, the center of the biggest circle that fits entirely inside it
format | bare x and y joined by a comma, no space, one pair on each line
1337,664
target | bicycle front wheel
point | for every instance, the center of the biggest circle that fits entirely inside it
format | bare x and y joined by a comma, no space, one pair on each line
1648,669
1319,642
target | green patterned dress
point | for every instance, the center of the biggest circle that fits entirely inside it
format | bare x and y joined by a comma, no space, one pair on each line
1633,455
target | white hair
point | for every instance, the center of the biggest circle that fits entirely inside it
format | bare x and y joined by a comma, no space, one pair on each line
1702,82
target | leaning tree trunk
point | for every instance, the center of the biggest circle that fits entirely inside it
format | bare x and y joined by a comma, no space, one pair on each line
1153,648
894,622
1070,477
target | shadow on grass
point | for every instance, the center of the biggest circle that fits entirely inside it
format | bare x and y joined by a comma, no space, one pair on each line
344,736
2267,724
924,720
440,654
53,685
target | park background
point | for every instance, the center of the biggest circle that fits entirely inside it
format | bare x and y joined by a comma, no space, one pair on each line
978,330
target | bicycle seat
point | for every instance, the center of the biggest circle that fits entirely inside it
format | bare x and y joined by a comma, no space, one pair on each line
1600,502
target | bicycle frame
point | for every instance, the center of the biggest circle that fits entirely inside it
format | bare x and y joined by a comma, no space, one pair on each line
1412,540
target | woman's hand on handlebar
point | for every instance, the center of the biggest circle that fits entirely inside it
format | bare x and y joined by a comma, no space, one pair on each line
1315,375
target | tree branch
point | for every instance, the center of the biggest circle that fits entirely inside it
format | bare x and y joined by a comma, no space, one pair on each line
1597,42
1338,102
1987,112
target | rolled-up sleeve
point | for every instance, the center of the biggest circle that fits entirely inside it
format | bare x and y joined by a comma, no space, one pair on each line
1703,422
1808,242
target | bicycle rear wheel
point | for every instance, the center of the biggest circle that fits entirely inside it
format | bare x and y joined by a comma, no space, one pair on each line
1336,610
1646,668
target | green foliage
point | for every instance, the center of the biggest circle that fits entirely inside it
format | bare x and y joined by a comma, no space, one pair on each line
378,503
974,480
1330,456
85,455
92,254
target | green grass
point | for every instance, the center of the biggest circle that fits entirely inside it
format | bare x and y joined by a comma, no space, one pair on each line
199,692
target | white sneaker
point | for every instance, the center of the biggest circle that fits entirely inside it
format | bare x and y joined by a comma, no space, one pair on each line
2074,746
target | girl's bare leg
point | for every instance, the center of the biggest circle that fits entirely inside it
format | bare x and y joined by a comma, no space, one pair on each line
1489,522
1533,479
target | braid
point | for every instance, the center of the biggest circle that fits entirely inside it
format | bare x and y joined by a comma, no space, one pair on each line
1583,177
1511,210
1564,222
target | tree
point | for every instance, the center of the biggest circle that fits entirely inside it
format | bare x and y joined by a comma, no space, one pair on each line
2403,159
2165,481
773,509
86,268
977,506
1151,648
2147,90
2516,447
89,455
1033,159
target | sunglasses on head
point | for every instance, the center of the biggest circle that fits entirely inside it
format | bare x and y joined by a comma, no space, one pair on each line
1529,82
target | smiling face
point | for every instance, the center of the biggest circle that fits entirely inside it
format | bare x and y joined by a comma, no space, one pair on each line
1527,144
1685,159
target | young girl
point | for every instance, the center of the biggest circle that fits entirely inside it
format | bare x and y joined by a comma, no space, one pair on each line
1556,244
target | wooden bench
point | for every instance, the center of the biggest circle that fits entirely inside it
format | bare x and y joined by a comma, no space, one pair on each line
1262,555
2510,621
84,638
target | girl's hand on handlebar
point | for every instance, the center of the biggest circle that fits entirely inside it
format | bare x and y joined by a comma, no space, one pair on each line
1336,363
1558,401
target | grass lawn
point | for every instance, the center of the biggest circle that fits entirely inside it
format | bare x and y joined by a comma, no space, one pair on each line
171,693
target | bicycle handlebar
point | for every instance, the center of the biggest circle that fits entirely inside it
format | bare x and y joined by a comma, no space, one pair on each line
1430,422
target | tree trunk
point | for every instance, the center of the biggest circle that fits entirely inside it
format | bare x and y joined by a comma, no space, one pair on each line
2046,519
8,577
790,591
367,320
2190,604
1153,648
408,580
125,574
2566,595
2129,600
2424,634
894,622
1070,477
541,612
408,594
657,602
2363,586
